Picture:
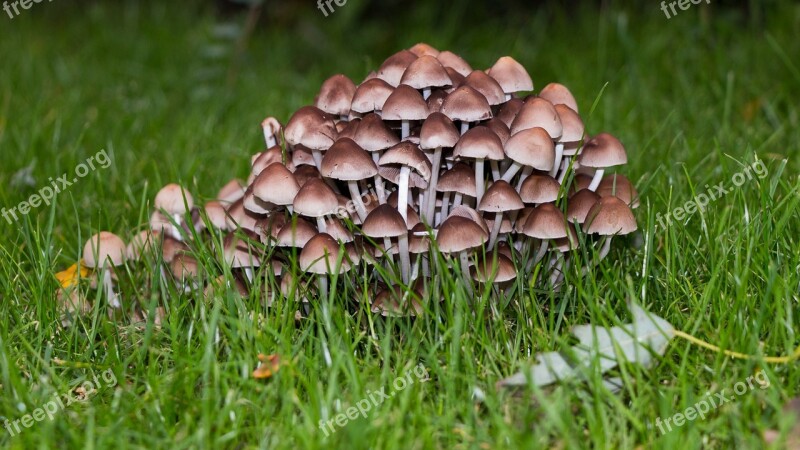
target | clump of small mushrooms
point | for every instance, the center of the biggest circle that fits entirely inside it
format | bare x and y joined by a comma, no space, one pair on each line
425,157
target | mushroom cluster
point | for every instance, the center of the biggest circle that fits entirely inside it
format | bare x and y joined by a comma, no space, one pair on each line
425,157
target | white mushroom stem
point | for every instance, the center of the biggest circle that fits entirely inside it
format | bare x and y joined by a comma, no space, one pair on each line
402,193
426,92
508,97
248,272
176,231
559,155
317,155
564,170
498,221
405,258
598,176
457,199
376,156
430,193
542,249
526,172
495,169
515,166
479,181
113,299
464,127
321,227
445,205
605,249
269,137
323,287
355,195
405,129
464,259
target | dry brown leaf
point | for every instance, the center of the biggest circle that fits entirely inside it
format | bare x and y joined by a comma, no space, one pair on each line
267,366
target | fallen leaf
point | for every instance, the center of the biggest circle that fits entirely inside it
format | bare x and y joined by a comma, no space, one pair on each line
267,366
73,274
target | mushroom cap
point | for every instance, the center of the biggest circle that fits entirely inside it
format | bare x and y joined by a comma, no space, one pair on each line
295,234
487,86
466,104
371,95
141,243
217,215
104,249
405,103
480,143
461,179
336,229
580,181
532,147
422,49
255,205
311,127
304,173
315,199
321,256
391,71
425,72
619,186
302,156
272,125
539,188
558,94
601,151
336,95
170,248
511,76
407,154
276,185
571,124
173,199
184,266
345,160
373,134
545,222
610,216
538,112
396,302
239,249
457,63
499,128
471,214
273,155
579,204
384,222
500,197
438,131
238,216
436,99
458,234
392,175
494,268
508,112
232,191
568,243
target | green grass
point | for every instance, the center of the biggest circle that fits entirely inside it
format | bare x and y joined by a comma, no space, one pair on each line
162,89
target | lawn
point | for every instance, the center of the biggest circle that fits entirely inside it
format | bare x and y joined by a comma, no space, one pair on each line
176,92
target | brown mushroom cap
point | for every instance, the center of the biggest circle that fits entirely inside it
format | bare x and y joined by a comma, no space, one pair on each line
336,229
232,191
407,154
405,103
217,215
461,179
271,156
239,249
373,134
581,181
487,86
619,186
601,151
384,222
302,156
610,216
371,95
500,197
345,160
571,123
396,302
173,199
471,214
467,105
511,76
438,131
311,127
276,185
184,267
539,188
545,222
315,199
508,112
422,49
558,94
500,129
538,112
425,72
457,234
532,147
336,95
579,205
436,99
104,249
304,173
238,216
295,234
391,71
392,175
479,143
457,63
497,269
321,256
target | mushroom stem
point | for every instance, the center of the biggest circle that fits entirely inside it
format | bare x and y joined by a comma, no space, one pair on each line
559,155
376,156
269,137
405,259
323,287
402,193
541,251
564,169
175,227
464,127
457,199
526,172
605,249
426,92
464,259
248,272
317,155
405,129
498,221
508,97
430,193
598,176
495,169
445,205
321,227
515,166
479,181
113,300
355,195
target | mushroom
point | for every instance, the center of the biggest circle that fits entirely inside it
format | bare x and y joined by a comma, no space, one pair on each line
272,131
531,148
407,156
437,132
459,235
336,96
391,71
579,204
619,186
424,73
321,256
275,185
370,96
486,86
173,201
558,94
240,251
385,222
406,105
500,198
545,222
466,105
102,252
461,180
608,217
480,143
316,200
457,63
601,152
348,162
374,136
511,76
571,134
311,127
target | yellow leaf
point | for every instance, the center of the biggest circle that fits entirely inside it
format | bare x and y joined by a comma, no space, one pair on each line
267,367
73,274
